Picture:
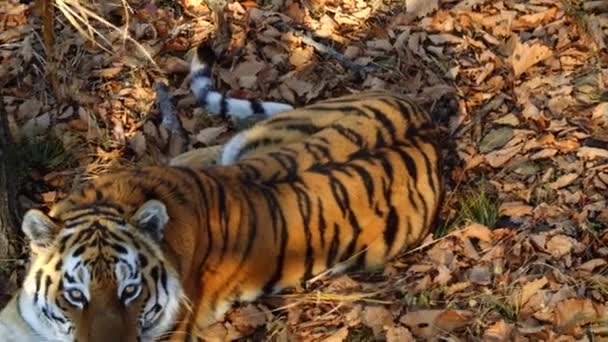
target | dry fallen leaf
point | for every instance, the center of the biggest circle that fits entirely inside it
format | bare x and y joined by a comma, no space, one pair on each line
528,290
427,323
592,153
515,209
209,135
301,57
559,245
399,334
564,180
496,138
138,143
498,332
571,314
421,8
525,56
499,158
377,317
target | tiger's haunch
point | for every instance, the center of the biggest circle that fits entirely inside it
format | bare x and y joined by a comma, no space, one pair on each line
162,252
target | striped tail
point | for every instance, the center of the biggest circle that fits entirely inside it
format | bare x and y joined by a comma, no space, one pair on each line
217,103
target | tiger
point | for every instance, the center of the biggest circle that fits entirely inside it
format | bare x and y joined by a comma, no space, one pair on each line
163,252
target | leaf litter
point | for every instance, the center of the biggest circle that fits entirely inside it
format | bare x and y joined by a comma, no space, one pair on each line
528,135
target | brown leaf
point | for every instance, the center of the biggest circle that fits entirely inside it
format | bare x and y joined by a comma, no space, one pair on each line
338,336
592,264
443,276
108,73
247,318
592,153
564,180
246,73
528,290
525,56
174,65
421,8
427,323
301,57
478,231
571,314
535,19
377,317
399,334
498,332
138,143
560,245
209,135
515,209
499,158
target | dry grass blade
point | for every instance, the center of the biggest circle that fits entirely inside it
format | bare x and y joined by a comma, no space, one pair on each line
81,16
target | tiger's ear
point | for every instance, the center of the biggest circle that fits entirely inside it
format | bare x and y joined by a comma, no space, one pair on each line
39,228
152,217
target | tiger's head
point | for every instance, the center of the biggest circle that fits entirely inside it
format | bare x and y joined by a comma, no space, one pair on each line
98,276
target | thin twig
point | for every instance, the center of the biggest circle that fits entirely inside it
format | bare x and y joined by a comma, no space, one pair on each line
358,69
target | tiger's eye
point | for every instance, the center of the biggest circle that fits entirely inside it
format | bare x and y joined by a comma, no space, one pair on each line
76,294
130,289
129,293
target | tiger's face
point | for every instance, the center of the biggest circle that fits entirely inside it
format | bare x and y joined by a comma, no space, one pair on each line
95,276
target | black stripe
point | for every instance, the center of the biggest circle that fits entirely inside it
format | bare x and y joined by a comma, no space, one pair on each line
340,194
322,224
38,281
351,135
257,108
347,110
279,223
254,144
356,231
409,163
407,110
333,247
304,206
392,225
385,121
224,212
223,106
253,225
368,182
307,128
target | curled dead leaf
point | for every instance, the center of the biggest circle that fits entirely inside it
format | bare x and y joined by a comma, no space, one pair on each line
377,318
499,158
427,323
571,314
564,180
528,290
498,332
560,245
515,209
525,56
592,153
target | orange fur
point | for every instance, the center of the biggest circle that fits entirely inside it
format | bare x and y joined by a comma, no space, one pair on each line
353,180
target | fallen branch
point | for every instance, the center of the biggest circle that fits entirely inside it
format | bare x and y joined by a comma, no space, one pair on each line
9,209
358,69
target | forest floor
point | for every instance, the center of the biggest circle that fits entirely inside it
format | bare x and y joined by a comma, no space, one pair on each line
521,253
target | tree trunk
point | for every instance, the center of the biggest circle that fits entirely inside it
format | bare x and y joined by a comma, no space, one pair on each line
9,211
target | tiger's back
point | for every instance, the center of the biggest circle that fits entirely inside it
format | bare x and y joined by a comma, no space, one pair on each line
350,181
